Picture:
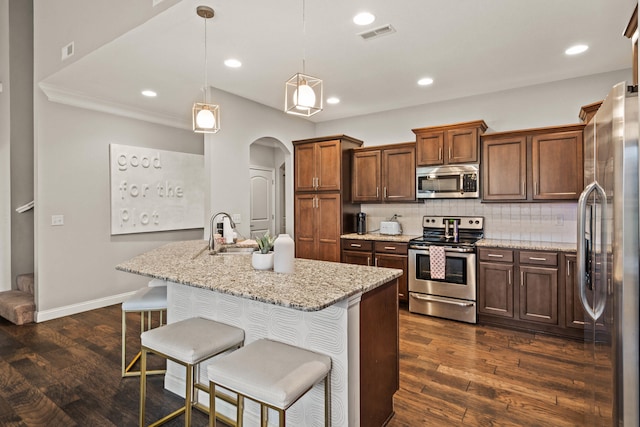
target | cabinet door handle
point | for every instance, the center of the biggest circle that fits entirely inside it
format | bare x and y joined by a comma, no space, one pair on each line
368,261
449,152
377,192
376,261
390,248
523,189
316,201
535,188
440,153
568,273
509,277
385,192
533,258
495,255
355,245
522,278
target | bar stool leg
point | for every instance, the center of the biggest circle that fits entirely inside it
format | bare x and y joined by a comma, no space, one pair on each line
264,416
240,411
327,400
188,399
143,384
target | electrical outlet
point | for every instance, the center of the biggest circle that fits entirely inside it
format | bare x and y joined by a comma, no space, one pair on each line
237,218
57,219
559,220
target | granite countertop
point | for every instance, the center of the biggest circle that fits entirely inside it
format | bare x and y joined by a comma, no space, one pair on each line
403,238
314,285
526,244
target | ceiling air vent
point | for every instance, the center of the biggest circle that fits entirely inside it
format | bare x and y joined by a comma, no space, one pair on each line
377,32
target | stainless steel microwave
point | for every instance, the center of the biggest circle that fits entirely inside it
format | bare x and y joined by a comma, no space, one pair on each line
448,182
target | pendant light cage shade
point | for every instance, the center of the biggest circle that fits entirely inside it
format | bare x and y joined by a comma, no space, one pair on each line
303,95
206,118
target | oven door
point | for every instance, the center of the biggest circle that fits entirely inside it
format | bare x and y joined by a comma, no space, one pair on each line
460,274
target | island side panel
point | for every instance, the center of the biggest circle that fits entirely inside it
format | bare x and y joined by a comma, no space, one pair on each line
379,354
326,331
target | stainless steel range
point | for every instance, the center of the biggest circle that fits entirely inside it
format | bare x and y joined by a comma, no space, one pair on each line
448,292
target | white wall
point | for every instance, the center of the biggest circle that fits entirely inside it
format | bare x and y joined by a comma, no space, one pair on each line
227,153
5,154
76,262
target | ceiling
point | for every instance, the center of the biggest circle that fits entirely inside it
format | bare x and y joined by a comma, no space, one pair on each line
468,47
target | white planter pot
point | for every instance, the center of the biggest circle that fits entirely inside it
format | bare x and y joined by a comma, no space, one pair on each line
262,261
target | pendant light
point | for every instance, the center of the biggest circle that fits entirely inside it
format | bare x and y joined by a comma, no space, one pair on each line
303,93
205,116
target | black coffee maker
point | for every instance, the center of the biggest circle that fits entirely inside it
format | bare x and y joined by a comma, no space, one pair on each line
361,223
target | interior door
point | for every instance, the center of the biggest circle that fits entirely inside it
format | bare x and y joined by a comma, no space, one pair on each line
262,206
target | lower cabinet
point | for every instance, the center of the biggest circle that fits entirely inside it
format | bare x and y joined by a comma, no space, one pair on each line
379,254
530,290
318,236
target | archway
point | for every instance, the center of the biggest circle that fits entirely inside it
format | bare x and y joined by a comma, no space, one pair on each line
268,168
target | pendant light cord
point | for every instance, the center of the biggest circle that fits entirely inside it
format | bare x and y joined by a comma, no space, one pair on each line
304,37
205,60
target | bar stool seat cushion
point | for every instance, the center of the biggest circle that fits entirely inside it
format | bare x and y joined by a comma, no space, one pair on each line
270,371
192,340
147,299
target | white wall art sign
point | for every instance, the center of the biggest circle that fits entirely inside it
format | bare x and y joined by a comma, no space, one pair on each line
155,190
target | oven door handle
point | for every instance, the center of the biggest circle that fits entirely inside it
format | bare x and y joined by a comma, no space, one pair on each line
446,301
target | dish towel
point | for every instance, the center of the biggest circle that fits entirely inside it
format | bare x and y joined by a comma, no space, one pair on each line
438,261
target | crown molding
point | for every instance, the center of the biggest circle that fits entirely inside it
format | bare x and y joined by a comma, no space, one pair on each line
81,100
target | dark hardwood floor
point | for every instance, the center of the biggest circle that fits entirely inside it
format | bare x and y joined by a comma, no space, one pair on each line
66,372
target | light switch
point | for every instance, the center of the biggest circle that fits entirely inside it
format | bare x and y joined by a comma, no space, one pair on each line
237,218
57,219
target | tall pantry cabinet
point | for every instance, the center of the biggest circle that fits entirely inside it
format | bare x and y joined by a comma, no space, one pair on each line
322,200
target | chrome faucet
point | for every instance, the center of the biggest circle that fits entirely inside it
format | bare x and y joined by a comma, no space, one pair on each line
212,231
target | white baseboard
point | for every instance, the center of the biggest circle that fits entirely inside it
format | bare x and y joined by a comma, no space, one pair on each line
55,313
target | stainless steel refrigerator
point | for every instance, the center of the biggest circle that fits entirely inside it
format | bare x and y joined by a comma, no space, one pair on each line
608,258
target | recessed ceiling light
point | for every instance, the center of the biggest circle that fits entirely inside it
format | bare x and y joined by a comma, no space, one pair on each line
364,18
574,50
425,81
333,100
149,93
232,63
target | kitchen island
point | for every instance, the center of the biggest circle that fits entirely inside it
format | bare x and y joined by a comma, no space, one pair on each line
348,312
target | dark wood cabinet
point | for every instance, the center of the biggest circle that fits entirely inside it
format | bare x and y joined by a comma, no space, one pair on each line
504,168
521,289
322,201
380,254
533,165
317,166
384,174
449,144
495,282
557,165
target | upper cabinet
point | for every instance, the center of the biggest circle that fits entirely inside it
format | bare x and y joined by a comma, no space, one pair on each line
449,144
533,165
384,173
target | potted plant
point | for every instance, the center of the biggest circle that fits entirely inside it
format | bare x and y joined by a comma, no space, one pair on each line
262,259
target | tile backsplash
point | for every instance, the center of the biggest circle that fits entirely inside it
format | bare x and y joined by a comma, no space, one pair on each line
547,222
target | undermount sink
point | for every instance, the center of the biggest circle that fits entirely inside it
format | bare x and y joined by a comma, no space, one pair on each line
236,251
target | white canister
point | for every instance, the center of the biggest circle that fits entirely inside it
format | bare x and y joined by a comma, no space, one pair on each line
227,231
283,254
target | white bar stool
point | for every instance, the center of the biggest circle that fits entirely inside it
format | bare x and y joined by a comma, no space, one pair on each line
188,343
273,374
145,301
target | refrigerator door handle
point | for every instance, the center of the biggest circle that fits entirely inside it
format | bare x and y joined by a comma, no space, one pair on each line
596,311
